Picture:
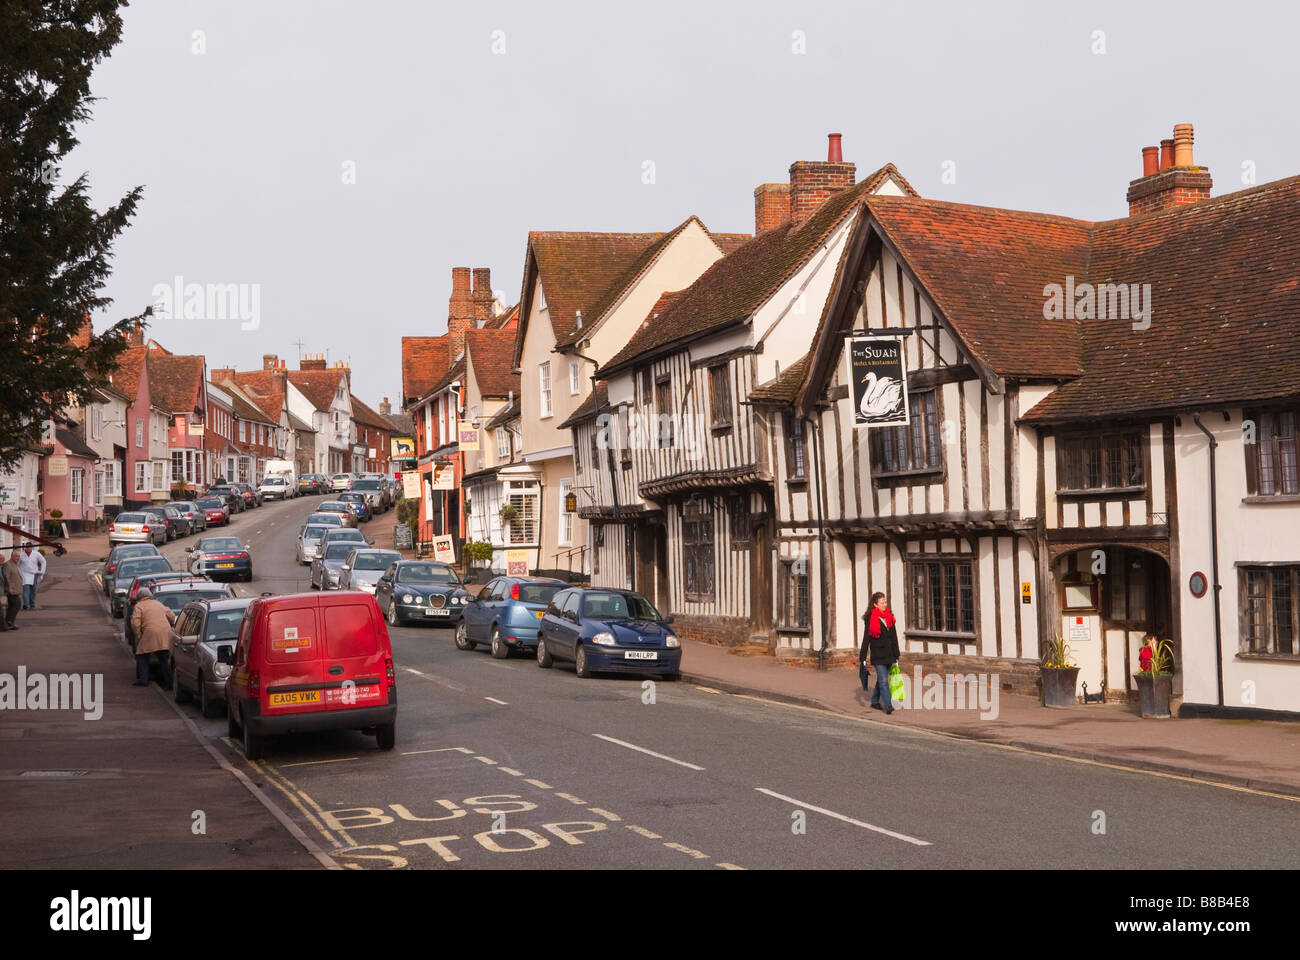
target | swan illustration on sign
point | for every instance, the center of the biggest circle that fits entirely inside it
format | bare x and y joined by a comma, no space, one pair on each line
878,381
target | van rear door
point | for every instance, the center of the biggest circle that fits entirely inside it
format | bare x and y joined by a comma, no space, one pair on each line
356,649
293,649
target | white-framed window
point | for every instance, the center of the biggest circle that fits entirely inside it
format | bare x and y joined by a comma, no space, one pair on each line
139,433
230,469
503,443
78,481
566,518
156,422
544,380
523,496
178,465
141,477
243,431
442,420
113,478
573,378
99,488
160,475
96,422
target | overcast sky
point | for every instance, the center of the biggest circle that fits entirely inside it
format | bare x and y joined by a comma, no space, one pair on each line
468,125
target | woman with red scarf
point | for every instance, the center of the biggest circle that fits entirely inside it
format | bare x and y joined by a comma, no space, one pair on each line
880,641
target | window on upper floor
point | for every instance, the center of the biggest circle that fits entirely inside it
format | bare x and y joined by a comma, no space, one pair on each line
544,383
720,396
139,433
911,449
577,452
1109,461
664,408
595,451
243,431
573,378
1270,609
1271,459
503,443
795,459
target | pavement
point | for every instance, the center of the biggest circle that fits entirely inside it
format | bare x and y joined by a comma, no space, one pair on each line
144,790
1258,754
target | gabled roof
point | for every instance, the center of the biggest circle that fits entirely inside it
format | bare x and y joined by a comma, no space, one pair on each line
318,386
245,410
424,361
362,413
783,388
175,383
511,316
734,287
492,352
403,423
74,444
589,407
264,388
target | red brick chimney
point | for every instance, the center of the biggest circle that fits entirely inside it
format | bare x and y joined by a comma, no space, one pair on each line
1177,182
460,309
812,182
220,375
771,206
270,361
313,361
483,296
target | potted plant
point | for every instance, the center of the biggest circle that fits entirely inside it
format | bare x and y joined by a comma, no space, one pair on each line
508,513
478,553
1156,686
1059,675
54,526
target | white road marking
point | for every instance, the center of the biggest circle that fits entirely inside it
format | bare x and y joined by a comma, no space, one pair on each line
606,814
411,753
538,783
308,763
642,831
572,799
490,763
661,756
697,854
257,533
512,772
729,866
413,670
495,700
839,816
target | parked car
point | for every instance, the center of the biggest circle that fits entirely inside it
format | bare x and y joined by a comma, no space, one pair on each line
191,512
252,498
221,557
234,498
421,590
216,511
326,520
615,630
308,484
116,555
343,509
340,482
203,648
375,491
276,488
311,662
128,570
346,535
363,568
136,527
173,590
178,525
365,513
505,614
309,541
328,565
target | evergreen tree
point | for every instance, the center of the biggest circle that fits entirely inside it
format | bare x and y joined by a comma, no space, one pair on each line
55,248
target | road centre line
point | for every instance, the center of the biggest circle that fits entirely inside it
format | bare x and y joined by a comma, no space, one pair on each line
411,753
487,760
539,784
697,854
729,866
661,756
495,700
839,816
572,799
643,832
308,763
613,817
510,770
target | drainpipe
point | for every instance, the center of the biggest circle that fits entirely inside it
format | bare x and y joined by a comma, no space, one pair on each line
821,539
1214,556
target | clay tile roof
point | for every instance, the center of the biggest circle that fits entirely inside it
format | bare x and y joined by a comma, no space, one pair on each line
588,408
1225,309
492,352
318,386
455,372
130,364
362,413
734,287
74,444
175,383
506,319
247,411
784,388
505,416
424,361
730,242
264,387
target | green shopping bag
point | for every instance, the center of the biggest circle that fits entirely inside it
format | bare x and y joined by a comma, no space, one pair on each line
896,692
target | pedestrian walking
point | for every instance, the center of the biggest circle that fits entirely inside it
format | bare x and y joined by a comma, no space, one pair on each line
32,564
12,575
152,623
880,643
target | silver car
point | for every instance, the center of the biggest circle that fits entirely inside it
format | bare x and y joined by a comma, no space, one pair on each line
187,509
326,520
328,565
340,507
309,541
364,568
137,528
203,644
376,493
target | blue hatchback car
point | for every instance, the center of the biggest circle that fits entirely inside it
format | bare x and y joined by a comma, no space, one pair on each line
608,630
505,614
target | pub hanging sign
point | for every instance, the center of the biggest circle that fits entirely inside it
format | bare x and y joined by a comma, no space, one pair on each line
877,375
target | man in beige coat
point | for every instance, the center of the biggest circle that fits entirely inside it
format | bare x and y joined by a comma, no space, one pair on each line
13,583
152,623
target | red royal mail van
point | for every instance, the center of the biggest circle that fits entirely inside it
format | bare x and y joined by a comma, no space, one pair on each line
308,662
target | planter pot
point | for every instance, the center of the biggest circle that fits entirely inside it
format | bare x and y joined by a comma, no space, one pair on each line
1059,686
1154,694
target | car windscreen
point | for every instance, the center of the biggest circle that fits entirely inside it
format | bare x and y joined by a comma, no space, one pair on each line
135,550
366,485
273,482
223,624
210,503
338,551
375,561
173,600
185,507
332,506
617,606
130,518
314,533
327,519
346,536
427,573
139,565
220,544
538,592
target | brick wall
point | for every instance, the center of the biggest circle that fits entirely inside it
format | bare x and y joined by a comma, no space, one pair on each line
811,182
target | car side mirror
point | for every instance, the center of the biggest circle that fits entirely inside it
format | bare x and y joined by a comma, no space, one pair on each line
371,542
189,549
189,640
668,619
226,654
245,547
103,559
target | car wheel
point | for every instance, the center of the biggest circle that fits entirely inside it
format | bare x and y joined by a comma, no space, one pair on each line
206,707
580,665
499,649
394,618
463,641
179,694
248,577
253,745
386,735
544,658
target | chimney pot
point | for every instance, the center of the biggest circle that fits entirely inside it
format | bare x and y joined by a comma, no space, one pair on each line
1150,160
1183,145
1166,154
833,154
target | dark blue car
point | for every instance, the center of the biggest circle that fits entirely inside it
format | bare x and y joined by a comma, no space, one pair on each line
505,614
608,630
